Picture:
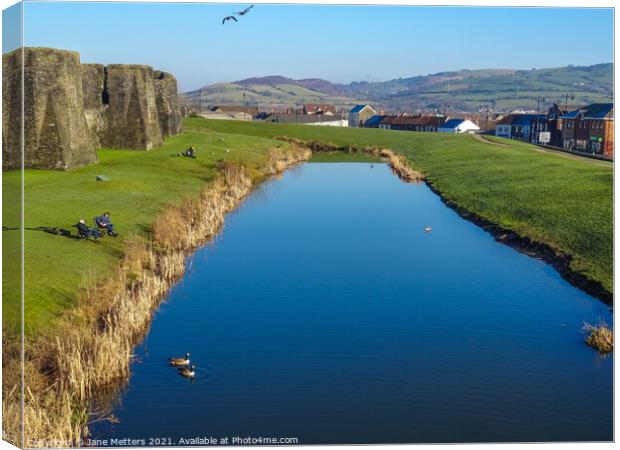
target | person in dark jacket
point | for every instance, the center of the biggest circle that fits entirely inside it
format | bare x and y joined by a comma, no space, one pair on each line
190,152
85,231
103,221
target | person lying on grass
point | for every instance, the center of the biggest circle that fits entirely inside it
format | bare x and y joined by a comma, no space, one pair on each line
190,152
86,232
103,221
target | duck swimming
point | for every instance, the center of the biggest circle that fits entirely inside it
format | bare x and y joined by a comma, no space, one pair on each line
188,372
183,361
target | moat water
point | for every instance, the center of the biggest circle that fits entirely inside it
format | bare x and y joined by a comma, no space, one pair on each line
324,312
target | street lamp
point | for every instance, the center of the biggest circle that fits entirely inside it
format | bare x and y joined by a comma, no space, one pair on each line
538,100
566,95
244,116
485,110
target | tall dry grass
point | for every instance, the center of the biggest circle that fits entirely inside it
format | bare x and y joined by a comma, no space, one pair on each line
400,166
91,350
600,337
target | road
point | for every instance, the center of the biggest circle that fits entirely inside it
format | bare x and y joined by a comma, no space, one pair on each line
482,138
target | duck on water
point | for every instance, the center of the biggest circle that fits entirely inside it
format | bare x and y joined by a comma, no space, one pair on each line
182,361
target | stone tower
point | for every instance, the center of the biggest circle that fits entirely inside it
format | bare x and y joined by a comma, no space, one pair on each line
168,107
132,120
95,101
70,109
56,134
11,110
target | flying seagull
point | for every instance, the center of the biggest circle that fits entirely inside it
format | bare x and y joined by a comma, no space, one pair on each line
229,18
245,11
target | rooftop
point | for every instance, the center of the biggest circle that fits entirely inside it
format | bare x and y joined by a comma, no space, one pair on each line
375,120
592,111
417,120
521,119
358,108
453,123
313,108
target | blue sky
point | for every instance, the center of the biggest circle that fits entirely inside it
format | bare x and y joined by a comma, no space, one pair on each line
338,43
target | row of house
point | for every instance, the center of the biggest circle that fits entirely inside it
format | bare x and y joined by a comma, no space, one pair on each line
429,124
366,116
588,129
324,114
584,129
308,113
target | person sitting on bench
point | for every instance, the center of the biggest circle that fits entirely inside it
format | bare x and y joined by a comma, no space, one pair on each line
85,232
103,221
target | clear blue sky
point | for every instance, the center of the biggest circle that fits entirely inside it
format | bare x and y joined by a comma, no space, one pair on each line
338,43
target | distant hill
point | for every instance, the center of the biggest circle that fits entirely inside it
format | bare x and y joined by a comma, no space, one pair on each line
271,91
463,90
313,84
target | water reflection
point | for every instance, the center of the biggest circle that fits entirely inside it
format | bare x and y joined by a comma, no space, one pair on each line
325,312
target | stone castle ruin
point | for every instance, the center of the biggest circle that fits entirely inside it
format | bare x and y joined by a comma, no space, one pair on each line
168,105
132,116
71,109
93,84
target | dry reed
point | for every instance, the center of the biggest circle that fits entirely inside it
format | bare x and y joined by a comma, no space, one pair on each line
600,337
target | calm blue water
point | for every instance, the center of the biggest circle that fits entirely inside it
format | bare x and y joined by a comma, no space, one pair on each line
324,312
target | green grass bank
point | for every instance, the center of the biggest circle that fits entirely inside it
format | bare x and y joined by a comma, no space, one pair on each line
141,184
564,202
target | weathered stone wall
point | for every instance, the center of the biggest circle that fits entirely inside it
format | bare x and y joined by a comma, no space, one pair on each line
56,134
168,107
93,85
183,105
70,109
11,109
132,117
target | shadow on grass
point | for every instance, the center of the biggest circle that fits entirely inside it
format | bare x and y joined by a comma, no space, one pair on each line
50,230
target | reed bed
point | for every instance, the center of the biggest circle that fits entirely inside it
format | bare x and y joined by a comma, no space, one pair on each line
600,337
401,167
91,351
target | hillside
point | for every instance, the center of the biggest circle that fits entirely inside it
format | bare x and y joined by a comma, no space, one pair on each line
499,89
463,90
268,92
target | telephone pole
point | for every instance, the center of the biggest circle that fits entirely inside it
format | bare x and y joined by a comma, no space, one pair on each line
538,99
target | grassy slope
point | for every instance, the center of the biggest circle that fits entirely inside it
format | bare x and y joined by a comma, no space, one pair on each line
141,184
564,202
263,94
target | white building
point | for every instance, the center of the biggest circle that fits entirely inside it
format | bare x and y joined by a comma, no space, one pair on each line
331,123
459,126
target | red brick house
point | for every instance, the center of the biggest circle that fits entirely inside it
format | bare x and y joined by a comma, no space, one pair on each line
590,129
386,122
